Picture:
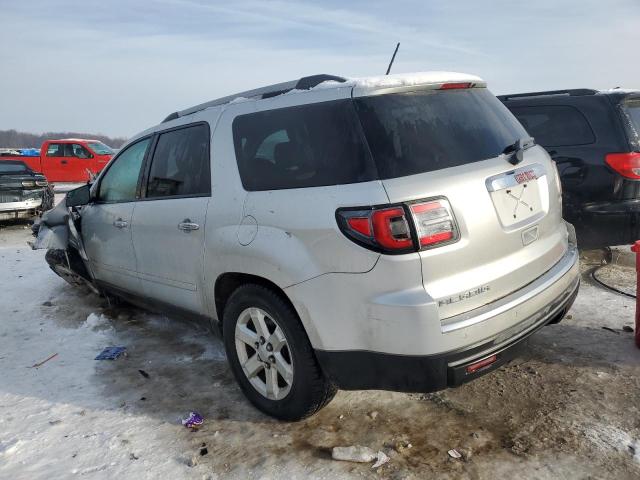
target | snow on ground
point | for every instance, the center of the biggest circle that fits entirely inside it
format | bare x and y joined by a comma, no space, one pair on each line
566,408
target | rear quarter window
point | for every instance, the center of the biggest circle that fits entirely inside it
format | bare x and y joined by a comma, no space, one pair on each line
631,120
304,146
555,125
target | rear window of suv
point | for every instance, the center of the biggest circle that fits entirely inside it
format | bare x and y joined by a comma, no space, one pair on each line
305,146
555,125
428,130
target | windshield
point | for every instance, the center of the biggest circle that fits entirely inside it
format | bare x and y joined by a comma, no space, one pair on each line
427,130
631,110
100,148
13,167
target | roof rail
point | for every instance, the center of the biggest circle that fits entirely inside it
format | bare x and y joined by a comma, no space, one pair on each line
575,92
304,83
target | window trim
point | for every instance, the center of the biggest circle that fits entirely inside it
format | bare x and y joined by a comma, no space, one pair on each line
563,105
97,200
146,168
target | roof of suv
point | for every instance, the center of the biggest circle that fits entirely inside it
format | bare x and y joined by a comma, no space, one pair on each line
575,92
362,86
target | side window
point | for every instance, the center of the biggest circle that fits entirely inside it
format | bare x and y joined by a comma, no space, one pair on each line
307,146
555,125
76,150
55,150
181,164
121,179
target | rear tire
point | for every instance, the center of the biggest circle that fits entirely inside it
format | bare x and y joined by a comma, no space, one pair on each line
290,385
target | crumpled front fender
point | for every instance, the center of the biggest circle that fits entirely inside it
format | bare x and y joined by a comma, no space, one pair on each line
53,231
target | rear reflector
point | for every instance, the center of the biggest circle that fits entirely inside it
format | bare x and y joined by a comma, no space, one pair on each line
485,362
626,164
434,222
454,86
360,225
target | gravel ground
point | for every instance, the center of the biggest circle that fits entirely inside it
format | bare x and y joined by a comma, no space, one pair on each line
566,408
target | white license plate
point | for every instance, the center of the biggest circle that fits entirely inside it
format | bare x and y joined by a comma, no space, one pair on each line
517,195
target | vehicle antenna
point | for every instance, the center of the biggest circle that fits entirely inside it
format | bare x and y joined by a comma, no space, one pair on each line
393,58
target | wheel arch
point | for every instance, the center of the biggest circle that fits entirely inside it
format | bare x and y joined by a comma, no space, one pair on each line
229,282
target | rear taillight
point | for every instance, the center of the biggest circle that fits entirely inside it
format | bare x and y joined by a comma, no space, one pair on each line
455,86
400,228
434,223
626,164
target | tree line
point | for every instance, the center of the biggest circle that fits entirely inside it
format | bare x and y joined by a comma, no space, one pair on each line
15,139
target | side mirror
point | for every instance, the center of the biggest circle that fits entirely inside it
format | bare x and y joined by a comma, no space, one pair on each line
78,196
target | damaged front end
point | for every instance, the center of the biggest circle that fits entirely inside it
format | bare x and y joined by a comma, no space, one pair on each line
58,232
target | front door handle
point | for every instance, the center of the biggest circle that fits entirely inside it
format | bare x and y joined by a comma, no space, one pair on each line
119,223
63,162
187,225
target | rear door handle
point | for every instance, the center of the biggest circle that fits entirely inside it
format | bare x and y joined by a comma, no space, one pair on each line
63,162
187,225
119,223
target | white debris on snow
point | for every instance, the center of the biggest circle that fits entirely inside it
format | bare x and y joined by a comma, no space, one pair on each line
382,459
359,454
354,453
453,453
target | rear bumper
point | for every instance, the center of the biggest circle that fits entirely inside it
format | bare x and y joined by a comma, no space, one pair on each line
364,370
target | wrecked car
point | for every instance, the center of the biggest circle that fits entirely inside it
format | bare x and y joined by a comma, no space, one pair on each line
23,191
398,233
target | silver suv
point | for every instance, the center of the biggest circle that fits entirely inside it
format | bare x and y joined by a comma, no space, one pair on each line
399,233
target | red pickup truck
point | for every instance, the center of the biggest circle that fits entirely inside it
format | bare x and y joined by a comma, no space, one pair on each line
68,160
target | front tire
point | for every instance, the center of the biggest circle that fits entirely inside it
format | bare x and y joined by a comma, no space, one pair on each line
271,357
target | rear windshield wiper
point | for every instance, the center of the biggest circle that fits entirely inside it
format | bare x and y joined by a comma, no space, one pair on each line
517,149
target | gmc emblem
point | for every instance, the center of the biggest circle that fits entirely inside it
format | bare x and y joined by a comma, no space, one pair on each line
525,176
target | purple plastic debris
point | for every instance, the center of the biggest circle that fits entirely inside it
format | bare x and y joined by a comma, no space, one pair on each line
193,421
111,353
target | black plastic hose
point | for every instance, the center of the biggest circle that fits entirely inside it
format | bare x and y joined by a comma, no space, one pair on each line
608,287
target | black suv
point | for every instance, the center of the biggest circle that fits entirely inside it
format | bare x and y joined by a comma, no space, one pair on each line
594,138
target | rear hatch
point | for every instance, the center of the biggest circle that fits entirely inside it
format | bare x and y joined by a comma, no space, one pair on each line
449,145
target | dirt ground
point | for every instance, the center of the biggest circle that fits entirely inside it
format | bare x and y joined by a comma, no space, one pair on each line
568,407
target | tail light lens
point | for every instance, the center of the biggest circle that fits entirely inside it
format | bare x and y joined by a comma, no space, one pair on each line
434,223
455,86
391,229
626,164
400,228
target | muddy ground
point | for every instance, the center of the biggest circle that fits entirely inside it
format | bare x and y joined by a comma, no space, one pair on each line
568,407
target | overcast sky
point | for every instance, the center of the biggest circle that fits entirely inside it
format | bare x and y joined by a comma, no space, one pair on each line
119,66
